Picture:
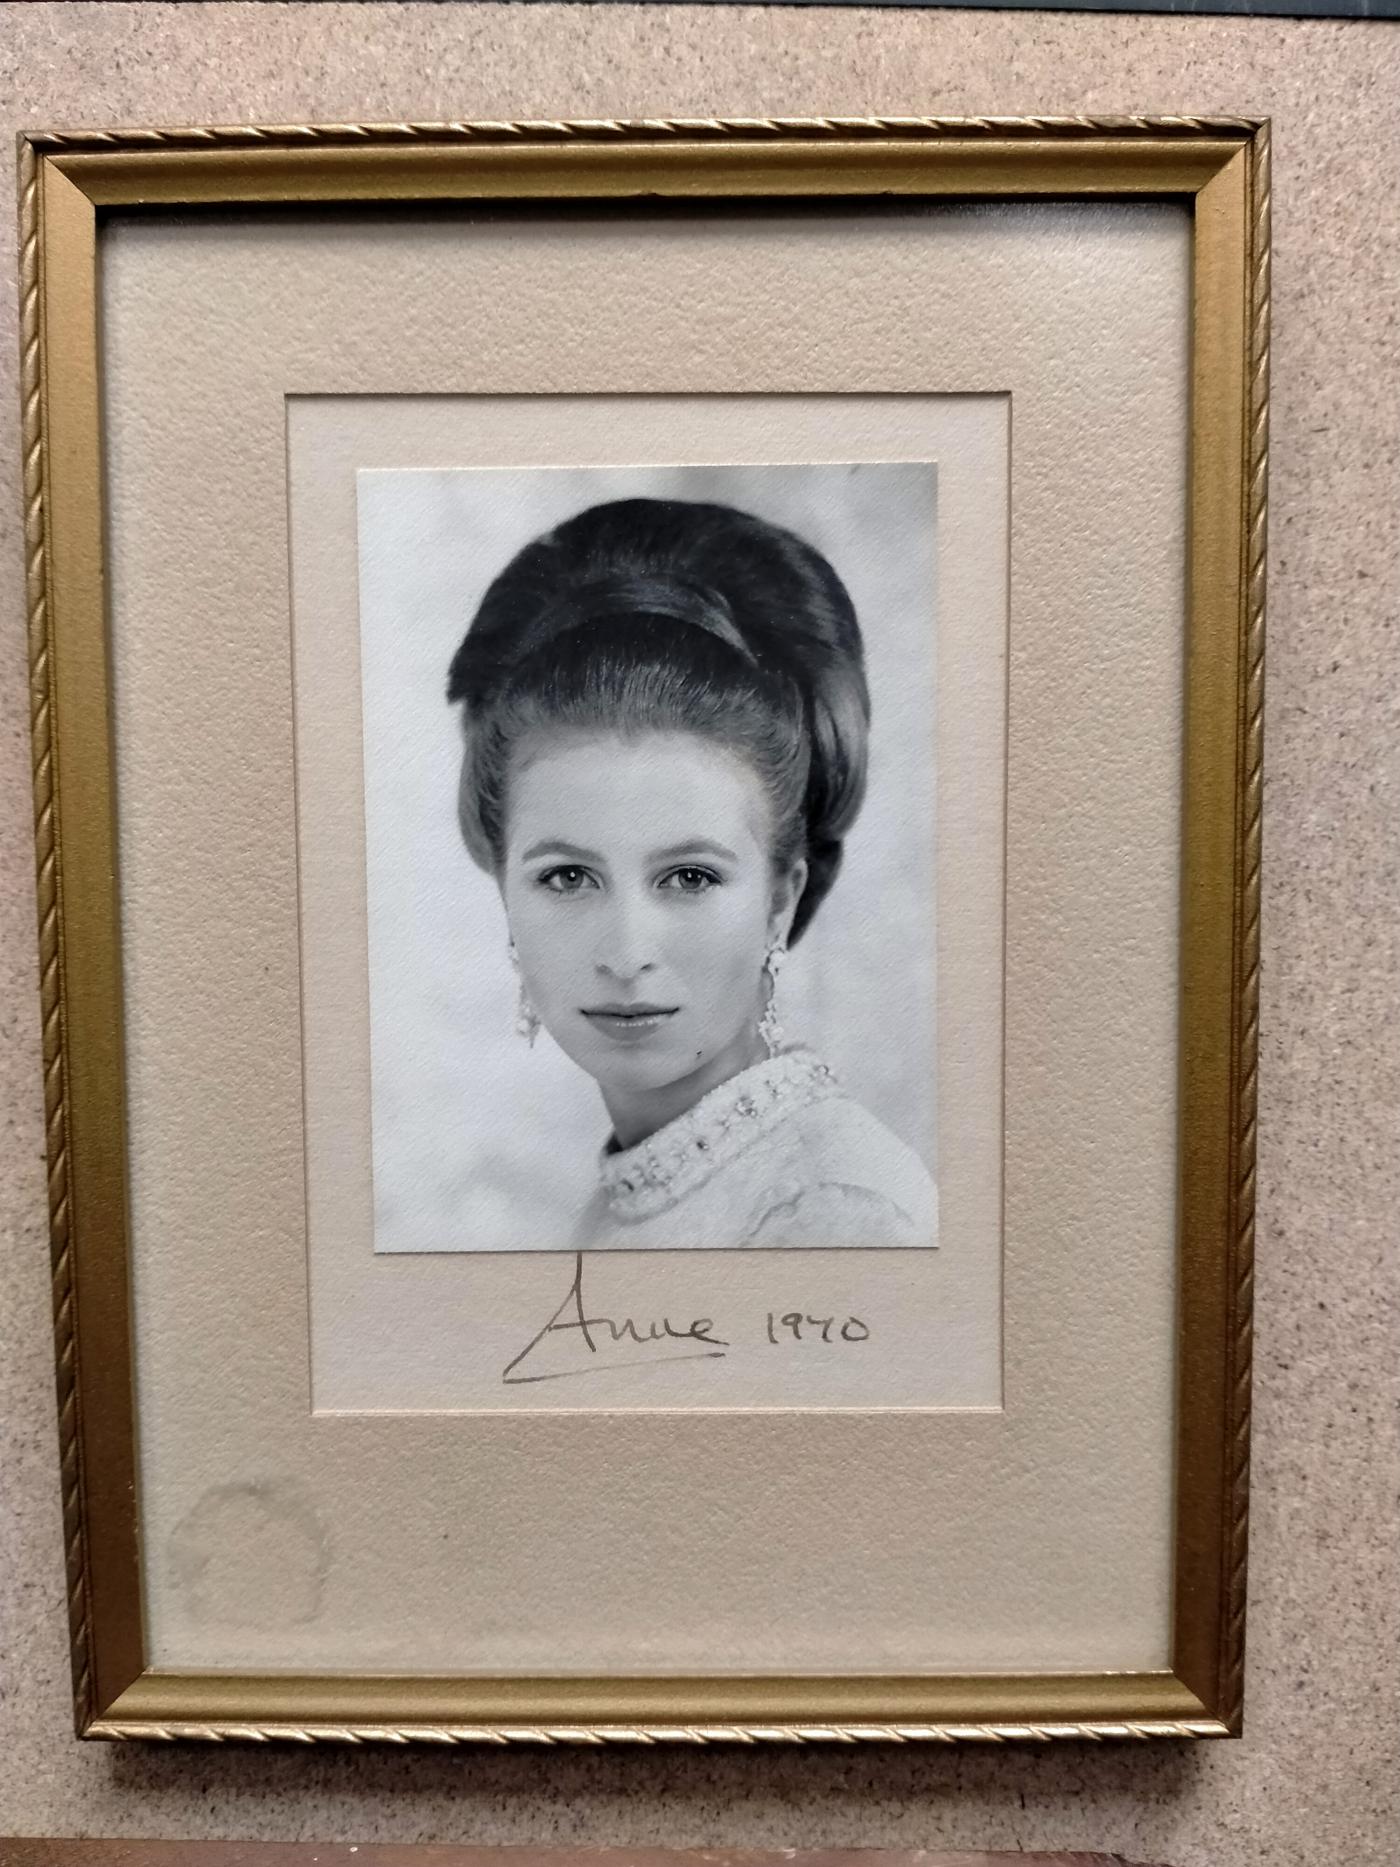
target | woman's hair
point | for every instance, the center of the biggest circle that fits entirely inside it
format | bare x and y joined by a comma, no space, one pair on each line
652,615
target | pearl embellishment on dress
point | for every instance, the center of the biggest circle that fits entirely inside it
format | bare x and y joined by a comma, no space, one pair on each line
657,1172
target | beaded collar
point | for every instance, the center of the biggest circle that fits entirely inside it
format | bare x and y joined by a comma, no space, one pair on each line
681,1156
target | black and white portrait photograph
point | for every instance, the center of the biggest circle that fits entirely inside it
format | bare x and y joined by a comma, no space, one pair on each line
649,789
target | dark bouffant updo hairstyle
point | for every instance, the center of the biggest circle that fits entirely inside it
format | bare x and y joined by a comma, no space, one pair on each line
652,615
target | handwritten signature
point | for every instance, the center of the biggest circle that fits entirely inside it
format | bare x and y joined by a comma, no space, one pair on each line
695,1340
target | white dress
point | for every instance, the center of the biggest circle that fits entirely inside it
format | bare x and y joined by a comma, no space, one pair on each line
777,1156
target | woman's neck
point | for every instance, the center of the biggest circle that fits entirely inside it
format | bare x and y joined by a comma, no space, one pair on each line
637,1114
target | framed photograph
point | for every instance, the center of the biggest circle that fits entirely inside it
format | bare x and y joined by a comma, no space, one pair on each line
647,759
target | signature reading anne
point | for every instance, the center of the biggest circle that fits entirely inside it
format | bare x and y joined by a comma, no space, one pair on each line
666,720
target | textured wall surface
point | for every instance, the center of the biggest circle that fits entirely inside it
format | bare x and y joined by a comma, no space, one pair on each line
1315,1779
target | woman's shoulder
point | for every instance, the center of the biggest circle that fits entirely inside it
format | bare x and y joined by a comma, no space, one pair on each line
843,1178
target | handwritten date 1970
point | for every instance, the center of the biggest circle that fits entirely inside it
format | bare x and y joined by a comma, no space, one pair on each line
794,1326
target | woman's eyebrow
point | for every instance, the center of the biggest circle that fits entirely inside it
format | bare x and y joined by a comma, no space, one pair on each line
551,847
695,848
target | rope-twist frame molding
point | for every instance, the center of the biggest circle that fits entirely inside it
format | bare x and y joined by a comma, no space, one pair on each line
650,1734
639,129
50,926
1250,836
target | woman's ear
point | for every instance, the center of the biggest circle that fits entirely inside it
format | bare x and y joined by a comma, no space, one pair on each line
786,896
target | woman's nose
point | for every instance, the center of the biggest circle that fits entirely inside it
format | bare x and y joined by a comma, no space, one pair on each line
627,949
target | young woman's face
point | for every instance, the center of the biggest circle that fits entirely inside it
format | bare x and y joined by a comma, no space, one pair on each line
639,888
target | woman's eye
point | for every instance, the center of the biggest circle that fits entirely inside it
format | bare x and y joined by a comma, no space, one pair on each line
691,881
567,881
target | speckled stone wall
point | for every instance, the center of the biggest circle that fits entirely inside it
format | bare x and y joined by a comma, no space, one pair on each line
1315,1780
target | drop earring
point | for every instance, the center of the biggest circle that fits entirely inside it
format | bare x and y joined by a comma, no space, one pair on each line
769,1028
527,1019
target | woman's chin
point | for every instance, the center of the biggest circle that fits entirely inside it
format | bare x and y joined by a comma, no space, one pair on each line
662,1061
651,1062
634,1070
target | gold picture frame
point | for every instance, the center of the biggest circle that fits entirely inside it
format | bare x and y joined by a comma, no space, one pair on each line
1220,169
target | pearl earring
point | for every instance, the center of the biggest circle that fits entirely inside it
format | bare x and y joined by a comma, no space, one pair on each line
527,1019
769,1028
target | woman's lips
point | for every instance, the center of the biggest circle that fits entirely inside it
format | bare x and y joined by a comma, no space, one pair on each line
630,1027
